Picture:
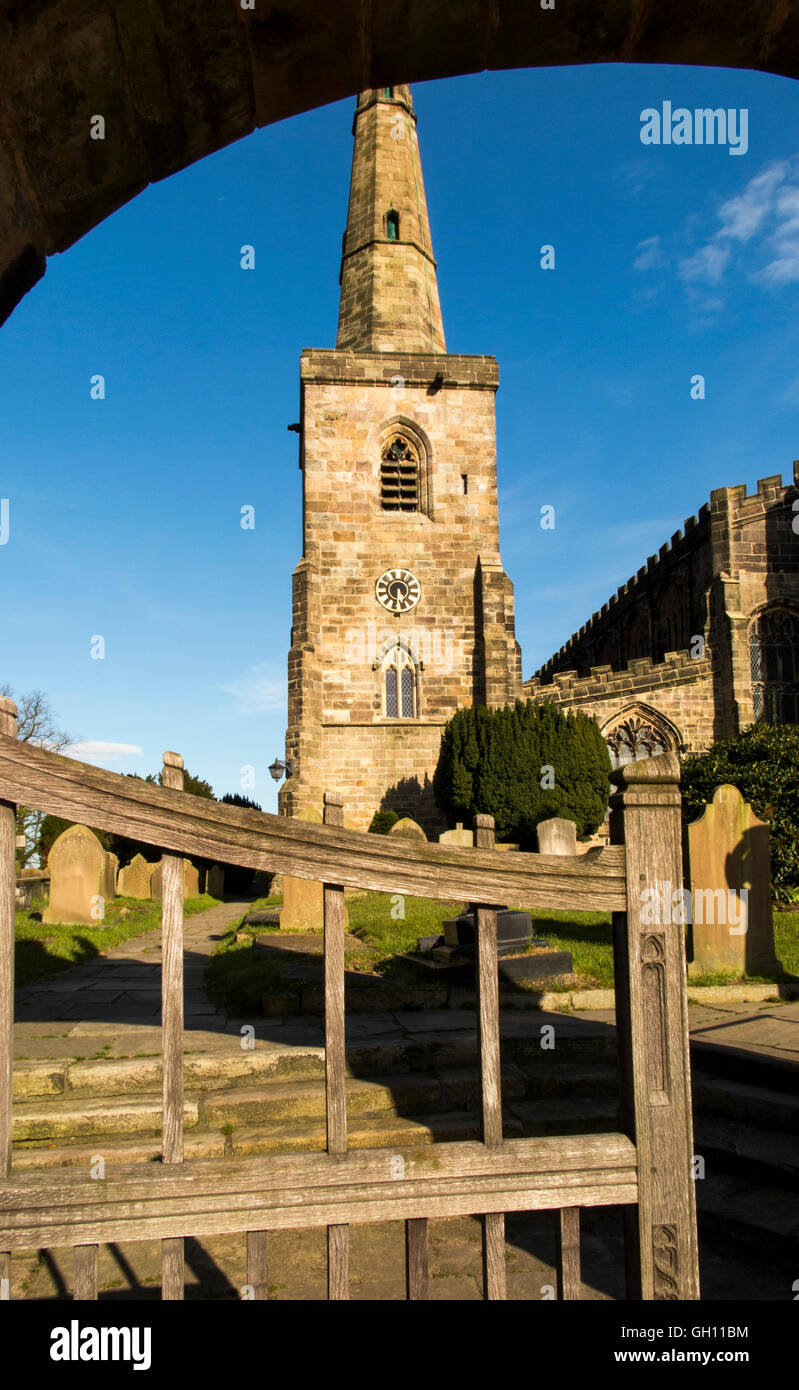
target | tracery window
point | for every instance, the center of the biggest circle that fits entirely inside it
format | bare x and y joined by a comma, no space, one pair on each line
399,476
399,685
635,737
774,666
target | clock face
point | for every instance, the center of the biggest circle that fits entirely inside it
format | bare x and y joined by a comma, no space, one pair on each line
398,590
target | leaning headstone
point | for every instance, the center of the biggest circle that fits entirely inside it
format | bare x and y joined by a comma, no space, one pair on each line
111,870
407,829
78,879
303,898
557,836
134,879
730,880
458,836
215,881
191,880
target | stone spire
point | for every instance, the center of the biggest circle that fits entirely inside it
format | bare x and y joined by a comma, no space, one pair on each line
389,291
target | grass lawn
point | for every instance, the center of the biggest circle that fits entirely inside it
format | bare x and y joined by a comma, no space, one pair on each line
43,949
237,978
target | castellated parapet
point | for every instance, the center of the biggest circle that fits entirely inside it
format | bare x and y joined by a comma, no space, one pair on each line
677,635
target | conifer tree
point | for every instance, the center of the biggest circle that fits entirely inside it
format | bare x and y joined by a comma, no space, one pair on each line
497,762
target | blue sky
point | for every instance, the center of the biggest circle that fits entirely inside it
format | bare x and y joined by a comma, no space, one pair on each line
671,261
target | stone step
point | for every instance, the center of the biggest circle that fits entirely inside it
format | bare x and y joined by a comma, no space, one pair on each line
384,1130
761,1106
766,1155
367,1055
65,1119
300,1099
764,1218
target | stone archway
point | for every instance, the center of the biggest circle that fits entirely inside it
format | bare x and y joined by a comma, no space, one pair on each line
175,82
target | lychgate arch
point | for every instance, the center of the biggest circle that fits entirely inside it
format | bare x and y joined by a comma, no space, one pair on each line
173,84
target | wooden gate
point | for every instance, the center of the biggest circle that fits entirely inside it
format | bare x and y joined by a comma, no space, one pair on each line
645,1167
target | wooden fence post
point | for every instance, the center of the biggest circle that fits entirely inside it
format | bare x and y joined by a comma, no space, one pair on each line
172,1264
8,884
338,1237
486,974
652,1025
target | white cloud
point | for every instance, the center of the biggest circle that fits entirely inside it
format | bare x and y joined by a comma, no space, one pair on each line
257,691
743,216
765,216
708,263
650,254
89,749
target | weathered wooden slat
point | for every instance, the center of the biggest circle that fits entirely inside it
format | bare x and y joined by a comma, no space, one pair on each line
335,1054
84,1272
549,1157
417,1259
186,1212
258,1264
172,1261
8,879
178,823
338,1237
172,1269
567,1237
652,1021
289,1209
494,1279
338,1262
494,1276
5,1275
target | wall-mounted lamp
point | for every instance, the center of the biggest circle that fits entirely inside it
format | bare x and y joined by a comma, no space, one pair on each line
278,768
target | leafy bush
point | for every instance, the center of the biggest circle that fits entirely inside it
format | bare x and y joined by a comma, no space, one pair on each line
382,822
763,763
521,765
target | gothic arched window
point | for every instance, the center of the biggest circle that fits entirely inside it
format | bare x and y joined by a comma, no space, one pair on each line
392,225
636,736
399,684
774,666
399,476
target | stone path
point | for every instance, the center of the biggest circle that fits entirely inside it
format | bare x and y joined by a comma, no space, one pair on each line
770,1029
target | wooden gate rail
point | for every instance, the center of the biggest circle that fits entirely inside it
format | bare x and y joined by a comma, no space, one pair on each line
646,1169
292,1191
177,823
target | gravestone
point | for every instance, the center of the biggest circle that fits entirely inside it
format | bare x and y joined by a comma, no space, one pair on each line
78,869
557,836
407,829
458,836
134,879
215,881
728,854
111,870
303,898
191,881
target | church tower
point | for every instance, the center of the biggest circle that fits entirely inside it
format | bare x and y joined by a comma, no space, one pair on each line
402,612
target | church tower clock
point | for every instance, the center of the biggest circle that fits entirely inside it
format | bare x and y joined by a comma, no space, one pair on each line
402,612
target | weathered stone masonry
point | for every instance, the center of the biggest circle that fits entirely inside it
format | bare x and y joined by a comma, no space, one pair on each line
672,646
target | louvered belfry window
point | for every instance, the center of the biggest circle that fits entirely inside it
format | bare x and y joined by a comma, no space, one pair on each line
399,477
